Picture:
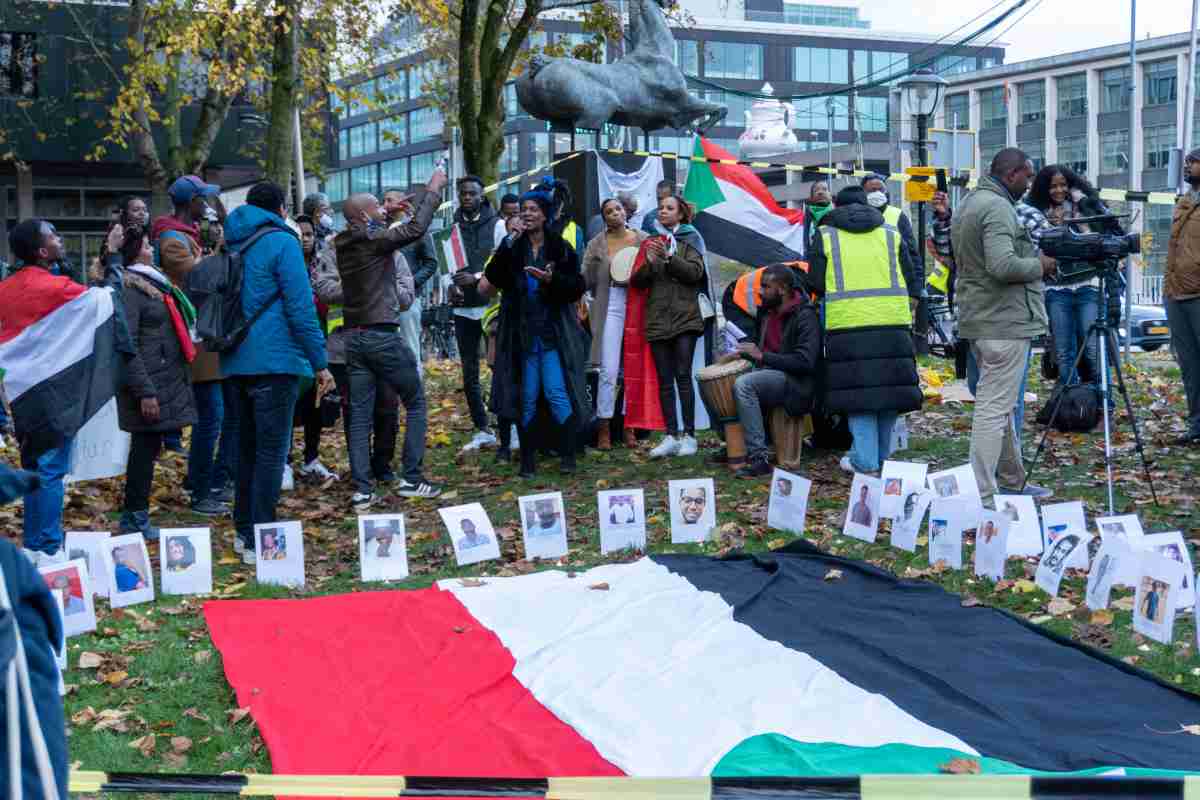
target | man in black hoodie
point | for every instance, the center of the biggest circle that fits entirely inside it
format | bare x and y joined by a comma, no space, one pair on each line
476,221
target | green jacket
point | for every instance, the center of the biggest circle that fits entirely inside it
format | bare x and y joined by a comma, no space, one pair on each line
999,286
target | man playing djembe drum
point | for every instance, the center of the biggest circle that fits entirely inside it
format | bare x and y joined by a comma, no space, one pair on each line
785,361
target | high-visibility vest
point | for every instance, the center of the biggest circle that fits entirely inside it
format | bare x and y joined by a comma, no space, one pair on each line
863,283
891,216
334,319
939,277
747,291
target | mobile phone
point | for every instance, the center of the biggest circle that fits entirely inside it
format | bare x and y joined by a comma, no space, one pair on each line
941,180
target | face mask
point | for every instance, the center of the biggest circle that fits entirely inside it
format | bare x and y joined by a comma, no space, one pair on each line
877,199
326,221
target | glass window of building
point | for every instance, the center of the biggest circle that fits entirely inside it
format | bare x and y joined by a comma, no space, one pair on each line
687,56
343,144
987,61
421,167
813,114
393,132
733,60
1158,223
958,106
335,186
512,107
1036,150
393,174
1114,89
421,78
510,161
986,154
1072,96
425,123
541,149
824,16
1114,152
392,87
820,65
873,66
1159,141
336,107
871,114
364,92
364,179
954,64
993,111
1160,82
1032,101
1072,152
363,140
736,104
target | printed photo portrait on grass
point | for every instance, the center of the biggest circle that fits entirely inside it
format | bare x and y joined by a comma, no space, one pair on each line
186,558
69,583
279,547
127,565
382,547
622,519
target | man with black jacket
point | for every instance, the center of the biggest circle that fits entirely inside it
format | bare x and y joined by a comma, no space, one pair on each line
476,221
375,351
785,361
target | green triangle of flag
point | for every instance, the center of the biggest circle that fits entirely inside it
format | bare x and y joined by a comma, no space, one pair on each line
702,189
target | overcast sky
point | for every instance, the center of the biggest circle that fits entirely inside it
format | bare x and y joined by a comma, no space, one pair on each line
1055,26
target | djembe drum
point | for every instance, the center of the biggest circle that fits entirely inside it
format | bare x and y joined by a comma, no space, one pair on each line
788,432
716,385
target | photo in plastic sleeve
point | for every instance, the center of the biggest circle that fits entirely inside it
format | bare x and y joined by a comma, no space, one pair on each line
1172,546
1157,595
279,547
127,565
862,508
186,560
991,545
1111,561
471,533
622,514
693,509
1025,526
900,479
1058,558
948,518
1057,520
907,526
89,545
382,547
60,647
544,525
70,583
787,505
1127,528
957,482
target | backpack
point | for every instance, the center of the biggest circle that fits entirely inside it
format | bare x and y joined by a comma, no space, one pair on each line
215,289
1079,411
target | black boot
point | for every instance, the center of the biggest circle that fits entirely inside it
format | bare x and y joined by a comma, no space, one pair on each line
566,445
528,454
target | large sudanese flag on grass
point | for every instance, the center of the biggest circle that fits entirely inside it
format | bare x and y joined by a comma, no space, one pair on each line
736,213
685,666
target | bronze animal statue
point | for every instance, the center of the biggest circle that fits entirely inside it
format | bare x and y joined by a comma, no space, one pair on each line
642,89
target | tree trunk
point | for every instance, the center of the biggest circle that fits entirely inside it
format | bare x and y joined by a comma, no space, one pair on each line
280,141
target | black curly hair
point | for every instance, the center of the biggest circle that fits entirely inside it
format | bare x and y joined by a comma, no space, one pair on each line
1039,193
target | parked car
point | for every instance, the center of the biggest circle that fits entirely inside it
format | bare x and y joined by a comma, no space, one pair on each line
1150,328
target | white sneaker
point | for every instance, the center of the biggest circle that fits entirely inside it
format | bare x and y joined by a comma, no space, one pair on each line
480,440
239,546
687,446
315,469
289,480
40,559
249,557
361,501
845,465
669,446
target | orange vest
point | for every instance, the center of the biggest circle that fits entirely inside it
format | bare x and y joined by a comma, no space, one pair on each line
747,292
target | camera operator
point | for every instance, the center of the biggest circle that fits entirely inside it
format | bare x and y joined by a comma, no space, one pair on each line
1182,290
1001,311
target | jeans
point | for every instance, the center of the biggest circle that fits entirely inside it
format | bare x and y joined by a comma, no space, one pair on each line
410,331
1019,408
872,434
542,374
43,508
754,391
310,418
1071,313
1184,319
385,421
379,356
265,404
210,469
673,365
139,474
995,446
468,333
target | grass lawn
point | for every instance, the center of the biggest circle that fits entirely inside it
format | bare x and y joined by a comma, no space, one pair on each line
151,694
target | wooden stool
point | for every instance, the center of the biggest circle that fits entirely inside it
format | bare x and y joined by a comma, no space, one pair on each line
787,433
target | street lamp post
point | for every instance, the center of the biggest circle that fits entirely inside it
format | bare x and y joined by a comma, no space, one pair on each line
921,92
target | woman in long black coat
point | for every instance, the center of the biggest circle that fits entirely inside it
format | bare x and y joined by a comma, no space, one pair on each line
541,348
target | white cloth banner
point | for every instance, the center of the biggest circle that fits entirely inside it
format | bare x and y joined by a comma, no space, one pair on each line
101,448
641,184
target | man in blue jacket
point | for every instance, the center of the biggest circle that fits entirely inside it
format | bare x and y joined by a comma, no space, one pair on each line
284,345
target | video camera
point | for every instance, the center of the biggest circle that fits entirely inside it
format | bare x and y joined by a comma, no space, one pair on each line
1082,256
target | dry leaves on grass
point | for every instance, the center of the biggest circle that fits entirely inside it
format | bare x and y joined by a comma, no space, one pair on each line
471,583
236,715
1102,617
181,744
1059,606
961,766
89,660
144,744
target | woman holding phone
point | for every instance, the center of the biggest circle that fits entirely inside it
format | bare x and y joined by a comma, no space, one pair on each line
540,346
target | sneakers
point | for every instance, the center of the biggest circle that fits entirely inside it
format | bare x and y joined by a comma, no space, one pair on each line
315,469
1030,490
40,559
480,440
209,507
669,446
249,557
421,489
289,480
846,466
755,468
361,501
224,495
687,446
138,522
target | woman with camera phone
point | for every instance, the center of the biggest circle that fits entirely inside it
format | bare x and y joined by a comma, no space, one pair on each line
1072,304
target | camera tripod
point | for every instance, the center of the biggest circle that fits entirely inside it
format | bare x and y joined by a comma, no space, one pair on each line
1106,340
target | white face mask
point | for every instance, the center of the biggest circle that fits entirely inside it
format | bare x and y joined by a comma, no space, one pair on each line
326,221
877,199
